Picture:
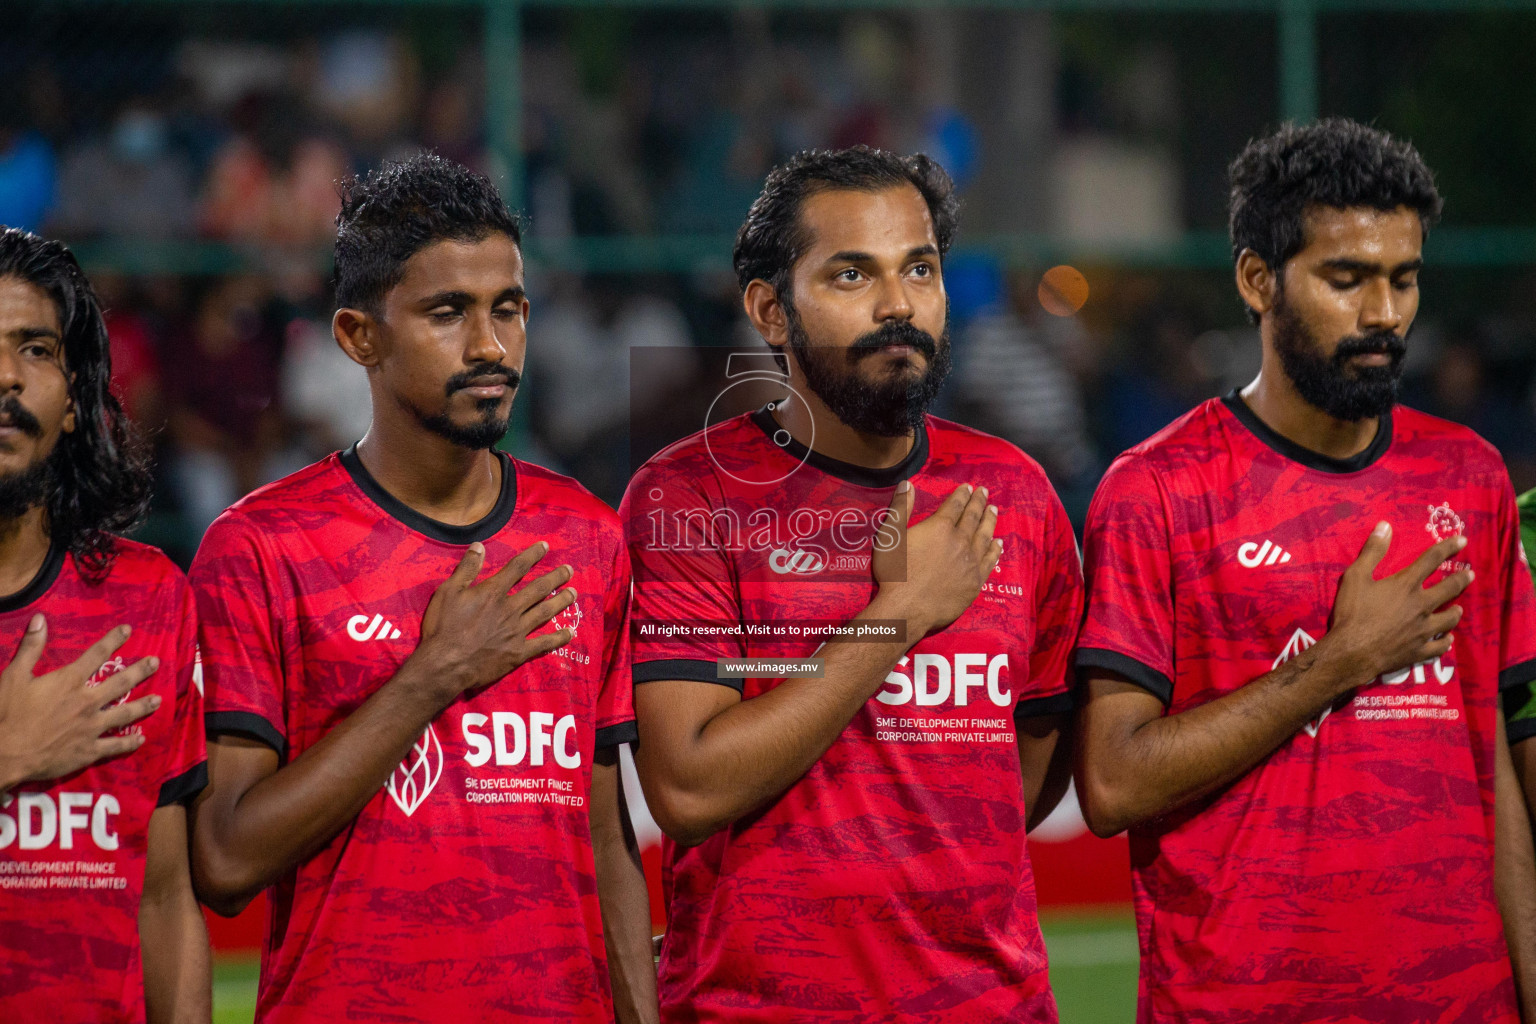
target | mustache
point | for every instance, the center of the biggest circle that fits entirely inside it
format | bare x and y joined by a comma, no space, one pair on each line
20,417
466,378
1382,342
902,333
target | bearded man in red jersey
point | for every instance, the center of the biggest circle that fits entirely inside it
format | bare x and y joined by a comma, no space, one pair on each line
1292,675
97,917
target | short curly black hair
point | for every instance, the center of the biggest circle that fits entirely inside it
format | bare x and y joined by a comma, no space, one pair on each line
401,208
1334,162
772,237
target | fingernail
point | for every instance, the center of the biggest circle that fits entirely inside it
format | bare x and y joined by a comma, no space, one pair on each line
36,624
1471,575
992,509
154,703
138,740
983,492
127,630
969,489
904,487
477,548
1382,529
154,664
543,547
1461,542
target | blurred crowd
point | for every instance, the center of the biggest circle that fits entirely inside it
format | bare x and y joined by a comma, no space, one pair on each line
212,137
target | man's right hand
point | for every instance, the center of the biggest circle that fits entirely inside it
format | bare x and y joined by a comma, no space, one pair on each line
55,724
475,633
937,567
1386,625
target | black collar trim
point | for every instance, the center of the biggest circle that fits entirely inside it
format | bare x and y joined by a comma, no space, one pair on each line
482,530
52,566
1306,456
861,476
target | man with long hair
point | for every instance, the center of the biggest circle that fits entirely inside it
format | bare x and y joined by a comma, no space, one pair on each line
98,920
1292,677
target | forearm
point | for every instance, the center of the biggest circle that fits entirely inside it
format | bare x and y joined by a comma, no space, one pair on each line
626,910
177,980
1045,763
1173,760
1515,876
753,750
249,843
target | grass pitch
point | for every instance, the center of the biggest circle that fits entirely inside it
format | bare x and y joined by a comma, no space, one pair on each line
1093,971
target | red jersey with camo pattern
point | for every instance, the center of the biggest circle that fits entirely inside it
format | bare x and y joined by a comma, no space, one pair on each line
892,881
465,889
73,851
1349,877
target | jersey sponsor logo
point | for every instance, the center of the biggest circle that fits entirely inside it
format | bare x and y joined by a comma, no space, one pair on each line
1252,555
361,628
795,560
514,741
35,821
415,777
937,679
1436,669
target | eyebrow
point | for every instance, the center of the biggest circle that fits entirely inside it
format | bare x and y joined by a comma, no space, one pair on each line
28,333
463,298
1366,267
856,256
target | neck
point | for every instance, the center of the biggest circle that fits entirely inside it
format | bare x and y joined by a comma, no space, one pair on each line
430,474
23,549
811,420
1274,399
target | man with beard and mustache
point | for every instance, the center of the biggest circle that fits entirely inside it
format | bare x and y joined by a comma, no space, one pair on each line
417,763
98,920
1283,704
846,836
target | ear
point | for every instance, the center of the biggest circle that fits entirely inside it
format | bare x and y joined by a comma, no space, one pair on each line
357,333
761,302
69,408
1257,282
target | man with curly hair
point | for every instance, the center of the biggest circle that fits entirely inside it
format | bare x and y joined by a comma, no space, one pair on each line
97,917
418,760
1292,676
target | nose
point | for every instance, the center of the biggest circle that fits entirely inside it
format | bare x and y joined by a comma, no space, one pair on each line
10,370
484,344
891,299
1381,307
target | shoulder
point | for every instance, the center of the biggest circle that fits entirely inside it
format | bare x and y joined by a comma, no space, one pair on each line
544,492
313,487
1415,432
137,564
694,462
978,451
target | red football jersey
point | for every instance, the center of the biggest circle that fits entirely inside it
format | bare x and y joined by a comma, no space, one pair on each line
72,851
892,881
1349,877
465,890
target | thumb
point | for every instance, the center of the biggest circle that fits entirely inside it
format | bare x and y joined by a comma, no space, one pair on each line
30,650
1375,548
469,566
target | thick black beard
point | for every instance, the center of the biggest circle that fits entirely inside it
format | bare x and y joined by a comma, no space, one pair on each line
1327,382
22,491
488,431
893,407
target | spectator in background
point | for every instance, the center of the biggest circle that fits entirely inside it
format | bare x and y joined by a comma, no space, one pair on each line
224,421
130,182
274,181
1160,375
135,345
324,399
26,164
1458,389
1012,380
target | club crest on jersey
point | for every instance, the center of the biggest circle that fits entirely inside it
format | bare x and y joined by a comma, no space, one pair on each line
1444,522
570,618
109,669
1300,641
415,777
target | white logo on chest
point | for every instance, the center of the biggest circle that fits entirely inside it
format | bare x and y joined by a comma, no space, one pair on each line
415,777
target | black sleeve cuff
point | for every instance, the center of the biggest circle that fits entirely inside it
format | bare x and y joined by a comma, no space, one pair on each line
185,786
682,668
246,723
617,735
1055,704
1519,729
1518,675
1144,676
